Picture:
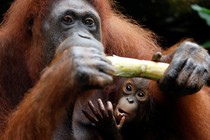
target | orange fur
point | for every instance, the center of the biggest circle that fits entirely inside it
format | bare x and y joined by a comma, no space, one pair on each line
29,111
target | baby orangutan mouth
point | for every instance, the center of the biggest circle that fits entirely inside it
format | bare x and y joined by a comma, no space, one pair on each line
121,112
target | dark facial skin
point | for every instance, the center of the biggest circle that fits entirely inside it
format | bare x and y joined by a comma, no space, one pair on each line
75,21
50,52
133,95
76,27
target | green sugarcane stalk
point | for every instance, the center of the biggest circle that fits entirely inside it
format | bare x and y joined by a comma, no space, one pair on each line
130,67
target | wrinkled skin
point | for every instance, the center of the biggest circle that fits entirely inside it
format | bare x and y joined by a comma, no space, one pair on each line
130,106
188,70
53,61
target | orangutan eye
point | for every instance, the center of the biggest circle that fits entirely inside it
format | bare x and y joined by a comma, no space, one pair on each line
68,19
128,87
141,96
89,21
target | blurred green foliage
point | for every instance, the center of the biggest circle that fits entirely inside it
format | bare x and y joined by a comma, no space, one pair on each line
204,13
171,20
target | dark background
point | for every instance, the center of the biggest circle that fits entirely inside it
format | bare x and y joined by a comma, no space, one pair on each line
171,20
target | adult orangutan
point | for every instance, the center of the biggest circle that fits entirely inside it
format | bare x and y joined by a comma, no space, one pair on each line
53,60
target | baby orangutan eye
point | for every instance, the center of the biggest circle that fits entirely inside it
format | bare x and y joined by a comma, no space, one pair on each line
141,96
128,87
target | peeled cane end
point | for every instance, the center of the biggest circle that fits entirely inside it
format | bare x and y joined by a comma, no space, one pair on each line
130,67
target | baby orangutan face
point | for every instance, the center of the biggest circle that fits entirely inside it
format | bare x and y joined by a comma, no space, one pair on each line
133,95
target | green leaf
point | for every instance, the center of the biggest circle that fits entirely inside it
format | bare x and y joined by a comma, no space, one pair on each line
200,9
207,45
204,13
205,17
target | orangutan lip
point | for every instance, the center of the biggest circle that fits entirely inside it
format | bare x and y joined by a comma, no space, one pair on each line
122,111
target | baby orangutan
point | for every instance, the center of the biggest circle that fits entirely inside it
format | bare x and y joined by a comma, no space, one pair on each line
130,107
